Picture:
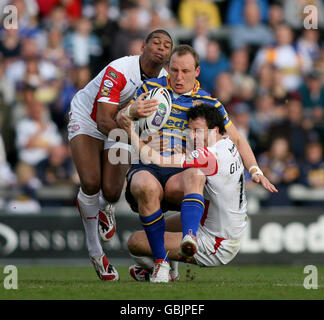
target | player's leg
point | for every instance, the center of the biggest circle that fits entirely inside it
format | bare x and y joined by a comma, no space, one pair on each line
191,182
113,179
138,245
148,193
86,154
144,264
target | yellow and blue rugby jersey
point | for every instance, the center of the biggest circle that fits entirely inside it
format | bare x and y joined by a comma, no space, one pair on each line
174,129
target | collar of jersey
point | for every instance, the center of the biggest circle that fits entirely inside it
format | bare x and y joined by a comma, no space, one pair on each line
190,93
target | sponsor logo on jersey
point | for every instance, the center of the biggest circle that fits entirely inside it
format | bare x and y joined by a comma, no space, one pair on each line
105,92
176,111
177,124
75,128
113,74
108,84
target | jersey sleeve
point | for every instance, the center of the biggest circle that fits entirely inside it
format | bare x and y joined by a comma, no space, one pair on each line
221,108
202,158
112,83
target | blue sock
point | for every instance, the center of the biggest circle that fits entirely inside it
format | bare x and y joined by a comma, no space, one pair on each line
192,209
154,226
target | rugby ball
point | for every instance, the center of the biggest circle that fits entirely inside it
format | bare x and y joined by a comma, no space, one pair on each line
157,119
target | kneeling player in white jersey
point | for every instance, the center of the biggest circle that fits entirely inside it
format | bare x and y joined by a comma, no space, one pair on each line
92,118
225,216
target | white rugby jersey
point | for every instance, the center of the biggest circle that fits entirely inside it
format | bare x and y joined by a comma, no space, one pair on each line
225,200
117,83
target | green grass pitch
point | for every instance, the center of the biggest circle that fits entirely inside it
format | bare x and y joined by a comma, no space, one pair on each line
229,282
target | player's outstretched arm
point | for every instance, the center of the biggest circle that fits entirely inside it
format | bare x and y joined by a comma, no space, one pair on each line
249,160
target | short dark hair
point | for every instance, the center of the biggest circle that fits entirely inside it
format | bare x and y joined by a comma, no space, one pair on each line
211,114
183,49
151,35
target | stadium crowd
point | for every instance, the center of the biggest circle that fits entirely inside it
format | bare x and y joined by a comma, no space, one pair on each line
256,56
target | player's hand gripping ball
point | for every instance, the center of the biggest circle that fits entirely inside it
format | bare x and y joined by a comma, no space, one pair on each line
157,119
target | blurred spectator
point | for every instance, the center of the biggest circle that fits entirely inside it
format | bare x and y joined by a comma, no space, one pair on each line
135,47
200,36
292,128
73,9
131,29
27,185
105,29
308,44
294,13
75,80
7,177
224,89
252,32
235,9
210,67
27,11
312,166
35,134
55,52
190,9
245,90
312,91
31,67
7,98
58,168
241,117
284,57
275,15
162,16
10,45
239,65
81,44
264,116
280,166
46,6
57,18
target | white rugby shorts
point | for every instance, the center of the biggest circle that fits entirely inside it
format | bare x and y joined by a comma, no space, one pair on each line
214,251
83,124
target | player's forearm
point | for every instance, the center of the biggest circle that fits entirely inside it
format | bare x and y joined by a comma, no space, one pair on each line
246,153
243,147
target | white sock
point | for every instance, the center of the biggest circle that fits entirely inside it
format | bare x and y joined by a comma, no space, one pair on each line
145,262
88,207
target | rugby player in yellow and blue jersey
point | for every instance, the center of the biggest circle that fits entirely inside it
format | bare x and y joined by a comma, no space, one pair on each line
152,190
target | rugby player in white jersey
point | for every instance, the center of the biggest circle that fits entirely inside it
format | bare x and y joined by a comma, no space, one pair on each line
225,217
92,118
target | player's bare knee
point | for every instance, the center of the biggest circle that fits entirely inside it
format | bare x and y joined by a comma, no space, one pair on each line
145,191
90,184
133,242
112,192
